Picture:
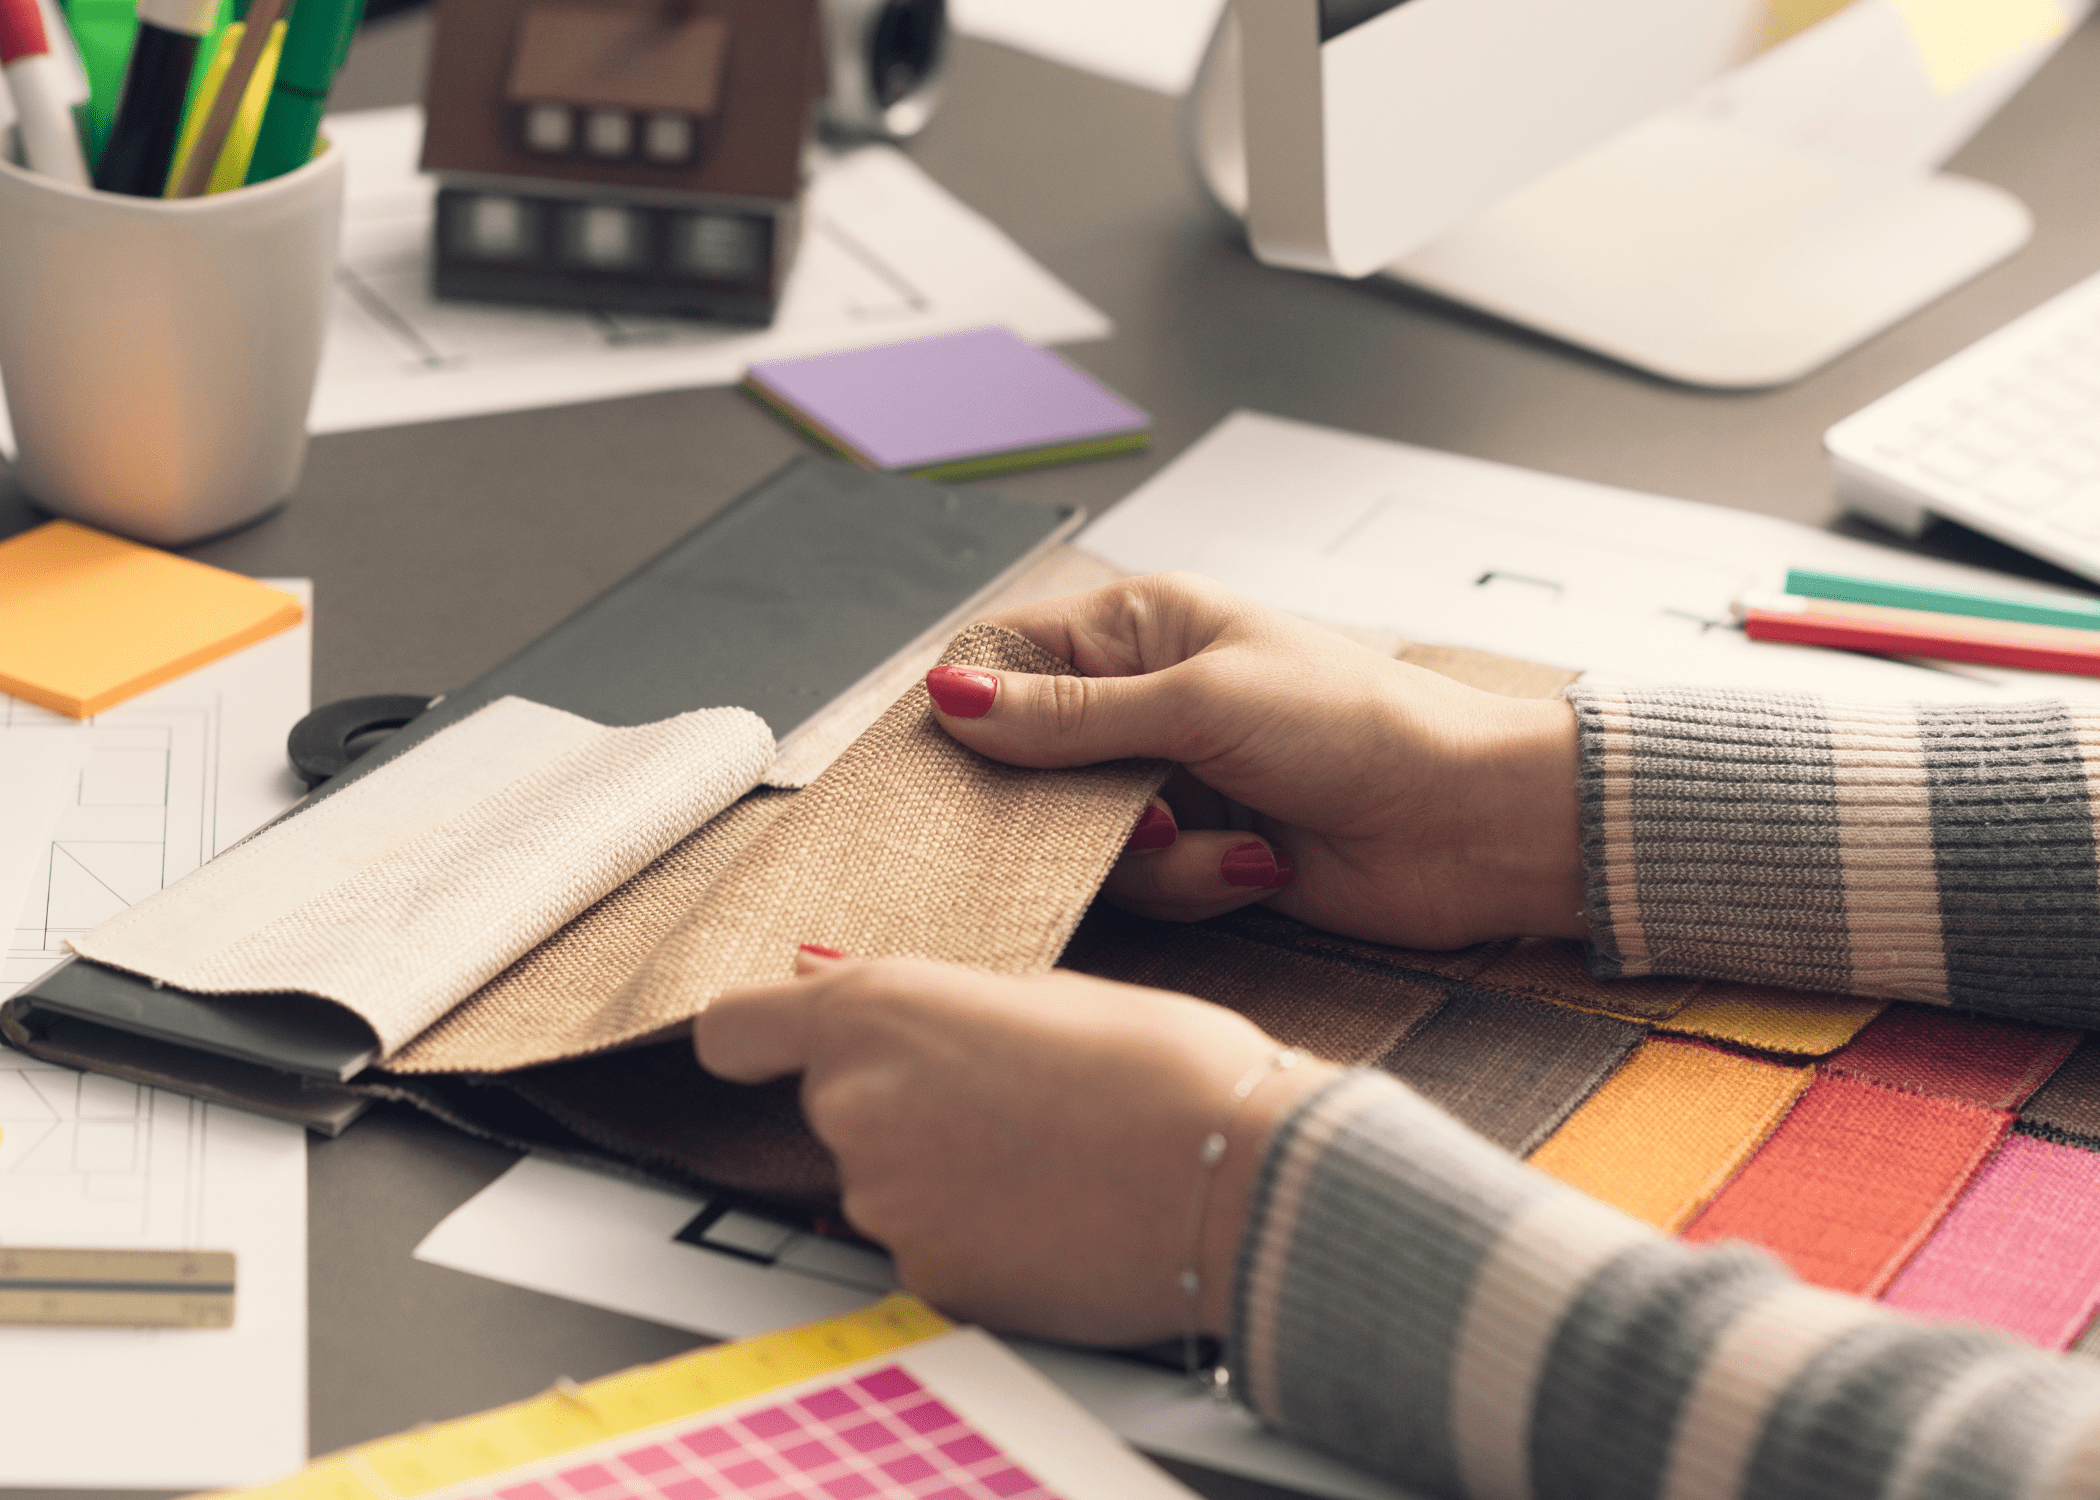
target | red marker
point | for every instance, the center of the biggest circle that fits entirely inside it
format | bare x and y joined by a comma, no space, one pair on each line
1917,632
37,81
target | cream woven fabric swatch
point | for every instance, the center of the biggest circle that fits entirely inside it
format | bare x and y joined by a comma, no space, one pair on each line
909,845
411,888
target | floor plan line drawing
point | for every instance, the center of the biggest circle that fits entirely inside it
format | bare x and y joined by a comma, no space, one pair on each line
106,811
143,814
89,1160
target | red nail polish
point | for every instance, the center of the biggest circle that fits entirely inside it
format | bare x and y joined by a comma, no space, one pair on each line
1248,864
1286,872
960,693
821,951
1155,830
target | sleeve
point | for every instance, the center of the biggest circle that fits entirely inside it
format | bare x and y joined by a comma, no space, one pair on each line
1416,1301
1917,852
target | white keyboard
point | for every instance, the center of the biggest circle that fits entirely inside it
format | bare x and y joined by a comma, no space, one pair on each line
2004,437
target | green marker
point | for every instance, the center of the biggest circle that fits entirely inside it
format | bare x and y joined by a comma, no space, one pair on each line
104,30
2032,609
316,41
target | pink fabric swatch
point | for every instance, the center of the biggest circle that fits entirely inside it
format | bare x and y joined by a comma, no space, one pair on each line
2021,1250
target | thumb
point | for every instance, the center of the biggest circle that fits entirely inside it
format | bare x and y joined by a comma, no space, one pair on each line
1027,720
761,1033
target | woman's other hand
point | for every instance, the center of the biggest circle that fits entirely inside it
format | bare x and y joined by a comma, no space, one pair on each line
1389,802
1025,1147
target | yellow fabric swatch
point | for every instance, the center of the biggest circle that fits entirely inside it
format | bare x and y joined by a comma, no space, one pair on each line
1770,1020
1667,1131
568,1417
1959,41
88,620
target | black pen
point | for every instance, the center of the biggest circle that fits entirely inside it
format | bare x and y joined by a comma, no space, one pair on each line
156,86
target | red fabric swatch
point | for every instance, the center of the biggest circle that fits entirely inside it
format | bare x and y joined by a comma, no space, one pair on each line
1853,1181
2020,1250
1989,1063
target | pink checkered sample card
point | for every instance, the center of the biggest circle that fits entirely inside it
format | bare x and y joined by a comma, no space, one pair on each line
889,1403
880,1435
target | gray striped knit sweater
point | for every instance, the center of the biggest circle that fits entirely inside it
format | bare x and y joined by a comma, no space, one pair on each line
1414,1299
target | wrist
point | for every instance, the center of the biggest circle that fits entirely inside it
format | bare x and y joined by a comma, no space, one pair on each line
1526,855
1230,1198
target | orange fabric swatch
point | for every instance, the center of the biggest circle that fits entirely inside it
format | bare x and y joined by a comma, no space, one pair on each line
1756,1015
1667,1131
1976,1059
1853,1181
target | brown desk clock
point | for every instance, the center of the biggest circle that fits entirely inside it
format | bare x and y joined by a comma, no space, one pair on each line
648,156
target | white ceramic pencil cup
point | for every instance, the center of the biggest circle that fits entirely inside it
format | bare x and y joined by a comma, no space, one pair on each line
159,354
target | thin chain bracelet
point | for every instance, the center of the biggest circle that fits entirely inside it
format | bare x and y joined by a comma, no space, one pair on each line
1217,1378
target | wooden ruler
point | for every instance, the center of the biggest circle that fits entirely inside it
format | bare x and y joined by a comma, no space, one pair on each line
117,1288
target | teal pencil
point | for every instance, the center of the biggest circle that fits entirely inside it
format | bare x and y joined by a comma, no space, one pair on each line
2034,609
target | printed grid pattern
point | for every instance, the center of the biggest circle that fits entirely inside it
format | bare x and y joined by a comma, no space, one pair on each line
879,1437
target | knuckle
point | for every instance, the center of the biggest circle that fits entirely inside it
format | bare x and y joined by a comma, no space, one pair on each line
1070,701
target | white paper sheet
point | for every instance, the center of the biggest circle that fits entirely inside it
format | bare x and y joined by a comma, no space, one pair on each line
611,1243
162,782
1156,45
1460,551
90,1162
888,254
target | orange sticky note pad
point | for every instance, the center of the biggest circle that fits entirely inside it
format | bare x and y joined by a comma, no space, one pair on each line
88,620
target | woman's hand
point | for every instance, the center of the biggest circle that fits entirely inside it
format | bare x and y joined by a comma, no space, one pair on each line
1390,803
1025,1147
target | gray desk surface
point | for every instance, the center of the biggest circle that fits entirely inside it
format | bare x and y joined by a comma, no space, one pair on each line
437,549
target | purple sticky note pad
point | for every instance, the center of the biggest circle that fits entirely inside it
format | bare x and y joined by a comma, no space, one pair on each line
952,397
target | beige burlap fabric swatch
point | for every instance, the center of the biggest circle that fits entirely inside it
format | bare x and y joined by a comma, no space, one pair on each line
909,845
410,889
825,735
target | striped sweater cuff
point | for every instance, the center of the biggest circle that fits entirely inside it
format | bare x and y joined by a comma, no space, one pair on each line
1919,852
1418,1302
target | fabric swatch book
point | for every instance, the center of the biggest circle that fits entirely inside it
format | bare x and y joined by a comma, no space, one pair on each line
889,1403
88,620
798,603
955,406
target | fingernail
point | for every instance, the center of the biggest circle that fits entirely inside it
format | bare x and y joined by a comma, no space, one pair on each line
1155,830
1285,871
821,951
1249,864
961,693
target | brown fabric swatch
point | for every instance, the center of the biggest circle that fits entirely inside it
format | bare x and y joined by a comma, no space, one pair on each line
1511,1068
649,1112
909,845
1345,1010
1259,924
2067,1107
657,1107
1553,969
